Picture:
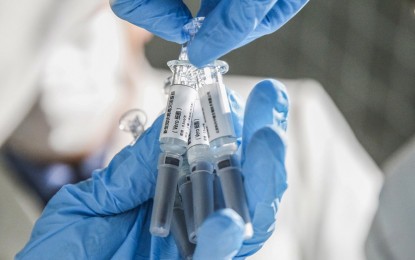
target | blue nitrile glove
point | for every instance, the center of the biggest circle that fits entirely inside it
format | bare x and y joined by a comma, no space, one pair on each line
108,216
262,129
228,24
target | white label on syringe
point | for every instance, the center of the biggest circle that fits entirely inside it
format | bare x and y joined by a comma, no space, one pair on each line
179,112
198,132
217,111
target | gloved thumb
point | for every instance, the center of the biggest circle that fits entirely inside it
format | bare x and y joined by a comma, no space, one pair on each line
220,236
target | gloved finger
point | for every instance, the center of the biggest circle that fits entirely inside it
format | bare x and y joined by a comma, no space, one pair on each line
128,181
267,105
220,236
280,13
237,106
263,163
164,18
265,182
228,24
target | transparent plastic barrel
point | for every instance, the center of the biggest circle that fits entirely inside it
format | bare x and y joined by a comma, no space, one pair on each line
179,230
186,195
168,174
173,145
202,178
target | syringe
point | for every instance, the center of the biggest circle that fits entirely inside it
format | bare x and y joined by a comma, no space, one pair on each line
184,187
174,137
217,113
201,168
182,228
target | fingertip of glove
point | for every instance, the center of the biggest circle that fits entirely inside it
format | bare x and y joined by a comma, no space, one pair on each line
203,49
226,220
220,236
197,57
162,18
267,105
271,91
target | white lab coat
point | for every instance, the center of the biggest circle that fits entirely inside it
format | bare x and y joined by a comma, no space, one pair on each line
333,183
392,234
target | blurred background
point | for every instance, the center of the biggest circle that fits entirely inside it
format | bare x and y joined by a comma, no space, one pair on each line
361,51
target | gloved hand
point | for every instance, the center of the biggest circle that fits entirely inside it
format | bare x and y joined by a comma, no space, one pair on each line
228,24
108,216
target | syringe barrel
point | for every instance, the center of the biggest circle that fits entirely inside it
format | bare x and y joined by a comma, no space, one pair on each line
179,231
203,196
186,195
177,119
174,137
201,168
219,202
229,172
198,145
215,104
168,172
